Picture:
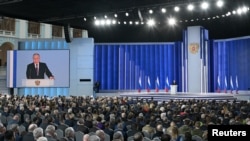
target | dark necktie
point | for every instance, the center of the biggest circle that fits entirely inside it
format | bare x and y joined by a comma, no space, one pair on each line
37,71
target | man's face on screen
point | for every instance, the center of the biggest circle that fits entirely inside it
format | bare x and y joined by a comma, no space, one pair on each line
36,59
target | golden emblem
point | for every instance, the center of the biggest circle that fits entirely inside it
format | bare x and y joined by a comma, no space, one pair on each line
193,48
37,82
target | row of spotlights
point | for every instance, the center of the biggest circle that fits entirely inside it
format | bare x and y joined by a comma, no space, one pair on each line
171,21
190,7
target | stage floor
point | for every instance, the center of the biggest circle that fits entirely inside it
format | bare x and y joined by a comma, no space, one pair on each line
165,96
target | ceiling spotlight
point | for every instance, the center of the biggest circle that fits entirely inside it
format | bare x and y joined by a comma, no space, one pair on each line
234,12
136,22
95,18
102,22
115,15
150,11
105,16
127,14
108,22
239,11
219,3
130,22
204,5
244,9
142,22
113,21
176,9
151,22
85,19
163,10
171,21
119,22
97,22
190,7
124,22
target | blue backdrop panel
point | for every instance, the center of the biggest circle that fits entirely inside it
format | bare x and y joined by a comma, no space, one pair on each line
231,65
43,45
119,66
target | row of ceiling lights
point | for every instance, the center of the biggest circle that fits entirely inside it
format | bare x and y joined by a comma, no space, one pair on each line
170,20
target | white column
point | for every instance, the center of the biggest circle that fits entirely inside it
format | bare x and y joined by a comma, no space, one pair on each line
21,28
46,30
85,33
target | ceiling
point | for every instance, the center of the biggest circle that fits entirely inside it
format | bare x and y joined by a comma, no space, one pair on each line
73,13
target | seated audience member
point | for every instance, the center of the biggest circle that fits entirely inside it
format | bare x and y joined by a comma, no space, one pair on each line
159,131
138,136
100,134
70,133
197,131
2,131
188,136
86,137
118,136
81,127
9,135
29,136
42,139
165,137
50,133
94,138
38,132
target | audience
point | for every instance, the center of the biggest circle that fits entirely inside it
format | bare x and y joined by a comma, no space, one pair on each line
118,117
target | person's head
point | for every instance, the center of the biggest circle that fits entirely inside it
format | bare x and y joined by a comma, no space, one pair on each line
38,132
100,134
138,136
165,137
85,137
159,127
50,130
9,135
42,139
36,58
94,138
69,132
32,127
118,135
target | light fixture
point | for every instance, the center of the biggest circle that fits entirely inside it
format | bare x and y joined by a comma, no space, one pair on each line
151,22
171,21
204,5
115,15
163,10
105,16
190,7
219,3
127,14
150,11
176,9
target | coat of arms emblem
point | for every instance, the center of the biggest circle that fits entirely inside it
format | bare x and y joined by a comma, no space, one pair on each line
193,48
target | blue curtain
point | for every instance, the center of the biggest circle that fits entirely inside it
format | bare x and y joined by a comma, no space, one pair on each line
43,45
120,66
231,64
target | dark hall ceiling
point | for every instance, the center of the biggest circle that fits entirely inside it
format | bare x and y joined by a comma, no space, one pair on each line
73,12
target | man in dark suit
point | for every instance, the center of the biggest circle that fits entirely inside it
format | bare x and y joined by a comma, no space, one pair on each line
37,69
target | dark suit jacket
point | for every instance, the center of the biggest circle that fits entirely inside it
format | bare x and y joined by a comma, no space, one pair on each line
28,137
43,69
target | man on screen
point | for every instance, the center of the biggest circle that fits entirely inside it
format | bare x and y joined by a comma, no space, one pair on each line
37,69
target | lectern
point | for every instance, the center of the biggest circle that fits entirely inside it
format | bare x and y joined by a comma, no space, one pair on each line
173,89
37,82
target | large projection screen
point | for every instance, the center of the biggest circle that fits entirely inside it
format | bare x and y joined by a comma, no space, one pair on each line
57,61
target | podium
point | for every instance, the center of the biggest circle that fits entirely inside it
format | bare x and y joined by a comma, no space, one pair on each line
173,89
37,82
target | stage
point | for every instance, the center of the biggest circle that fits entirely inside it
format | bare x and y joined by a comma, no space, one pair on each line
165,96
